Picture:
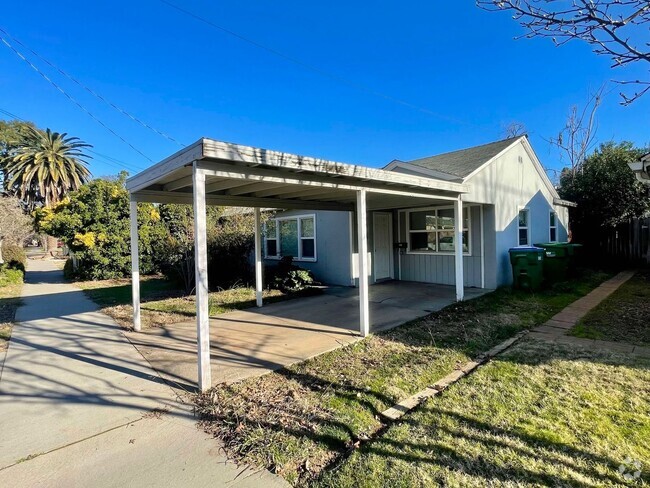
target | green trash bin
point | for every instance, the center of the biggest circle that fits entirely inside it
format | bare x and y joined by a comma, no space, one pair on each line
527,267
557,260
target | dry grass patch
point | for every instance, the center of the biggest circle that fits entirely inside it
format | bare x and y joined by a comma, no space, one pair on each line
163,303
297,420
9,303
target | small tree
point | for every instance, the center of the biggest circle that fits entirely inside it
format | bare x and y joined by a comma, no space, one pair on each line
606,191
15,225
94,223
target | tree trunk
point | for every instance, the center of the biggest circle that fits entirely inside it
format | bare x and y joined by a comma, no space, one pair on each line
51,244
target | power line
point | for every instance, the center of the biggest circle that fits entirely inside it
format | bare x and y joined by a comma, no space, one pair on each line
311,67
111,161
92,92
70,97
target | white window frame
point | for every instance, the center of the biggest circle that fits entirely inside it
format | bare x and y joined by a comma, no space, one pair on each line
552,227
528,226
298,219
407,212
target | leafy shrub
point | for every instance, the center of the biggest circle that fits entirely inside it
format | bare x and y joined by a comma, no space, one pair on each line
14,256
10,276
94,223
289,278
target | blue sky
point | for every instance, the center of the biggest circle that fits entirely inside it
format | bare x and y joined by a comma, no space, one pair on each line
458,64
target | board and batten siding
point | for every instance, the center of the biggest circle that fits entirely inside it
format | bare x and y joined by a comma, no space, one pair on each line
440,268
332,264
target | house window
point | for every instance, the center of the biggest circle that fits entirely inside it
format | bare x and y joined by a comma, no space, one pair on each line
291,236
552,227
432,231
524,222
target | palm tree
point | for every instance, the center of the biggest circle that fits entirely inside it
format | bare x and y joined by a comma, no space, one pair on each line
47,166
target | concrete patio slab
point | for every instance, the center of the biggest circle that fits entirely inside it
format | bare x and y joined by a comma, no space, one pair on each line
255,341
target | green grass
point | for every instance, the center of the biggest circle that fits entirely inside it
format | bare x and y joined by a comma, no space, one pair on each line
162,302
539,415
297,420
623,317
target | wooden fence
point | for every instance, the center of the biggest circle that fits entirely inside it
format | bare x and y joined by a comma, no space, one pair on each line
628,242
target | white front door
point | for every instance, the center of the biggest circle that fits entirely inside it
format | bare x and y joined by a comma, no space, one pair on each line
382,245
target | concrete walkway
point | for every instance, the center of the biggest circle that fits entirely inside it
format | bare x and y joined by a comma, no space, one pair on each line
79,405
556,329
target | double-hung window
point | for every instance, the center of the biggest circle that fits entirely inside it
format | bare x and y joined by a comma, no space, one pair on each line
552,227
291,236
432,231
524,222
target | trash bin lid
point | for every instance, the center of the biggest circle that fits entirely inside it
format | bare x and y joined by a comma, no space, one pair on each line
526,249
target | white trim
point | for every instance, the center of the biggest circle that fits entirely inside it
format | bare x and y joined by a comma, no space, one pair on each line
362,231
459,278
135,265
528,226
278,246
201,274
391,264
259,288
551,227
399,250
407,211
482,247
351,235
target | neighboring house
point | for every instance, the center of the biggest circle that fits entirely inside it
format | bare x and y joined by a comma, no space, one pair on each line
641,169
511,202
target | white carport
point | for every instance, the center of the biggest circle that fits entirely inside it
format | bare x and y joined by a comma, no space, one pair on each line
211,172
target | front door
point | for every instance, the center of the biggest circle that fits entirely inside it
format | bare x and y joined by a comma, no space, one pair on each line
382,245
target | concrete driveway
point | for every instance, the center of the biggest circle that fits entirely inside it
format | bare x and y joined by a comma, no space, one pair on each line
254,341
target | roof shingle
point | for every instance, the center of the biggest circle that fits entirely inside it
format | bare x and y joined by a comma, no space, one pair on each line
465,161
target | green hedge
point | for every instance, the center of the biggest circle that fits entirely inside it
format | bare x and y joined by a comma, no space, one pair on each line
14,256
10,276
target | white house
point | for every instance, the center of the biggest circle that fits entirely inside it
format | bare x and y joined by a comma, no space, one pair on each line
402,222
510,202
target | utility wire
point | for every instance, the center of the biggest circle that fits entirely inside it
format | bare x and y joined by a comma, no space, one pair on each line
92,92
111,161
70,97
311,67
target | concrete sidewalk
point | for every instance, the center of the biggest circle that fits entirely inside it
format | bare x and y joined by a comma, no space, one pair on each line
79,405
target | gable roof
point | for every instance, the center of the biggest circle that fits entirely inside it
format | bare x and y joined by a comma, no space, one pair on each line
464,162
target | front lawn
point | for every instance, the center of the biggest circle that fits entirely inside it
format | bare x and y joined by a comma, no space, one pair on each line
162,303
624,316
9,302
299,420
539,415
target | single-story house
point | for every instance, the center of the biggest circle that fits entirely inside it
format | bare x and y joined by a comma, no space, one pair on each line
510,202
402,222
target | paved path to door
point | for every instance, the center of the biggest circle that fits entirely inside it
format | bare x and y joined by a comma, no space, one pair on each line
80,406
556,329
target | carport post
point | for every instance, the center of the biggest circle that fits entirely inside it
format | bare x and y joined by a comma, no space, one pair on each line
362,235
458,248
201,278
135,265
258,257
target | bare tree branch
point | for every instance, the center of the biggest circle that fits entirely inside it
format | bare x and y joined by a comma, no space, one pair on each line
614,28
578,136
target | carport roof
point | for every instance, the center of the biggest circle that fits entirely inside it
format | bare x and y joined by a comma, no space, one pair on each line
238,175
